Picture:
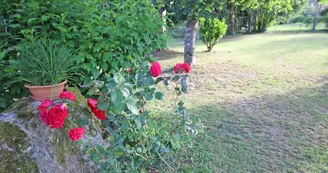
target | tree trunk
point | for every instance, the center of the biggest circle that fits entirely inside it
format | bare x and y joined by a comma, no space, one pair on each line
316,16
249,29
254,26
190,40
162,12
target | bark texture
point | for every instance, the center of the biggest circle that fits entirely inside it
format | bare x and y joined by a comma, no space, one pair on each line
190,41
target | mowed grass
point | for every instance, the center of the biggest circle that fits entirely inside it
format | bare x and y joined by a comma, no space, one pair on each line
263,100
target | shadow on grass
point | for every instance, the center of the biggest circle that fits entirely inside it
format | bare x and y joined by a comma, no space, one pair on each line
167,54
283,133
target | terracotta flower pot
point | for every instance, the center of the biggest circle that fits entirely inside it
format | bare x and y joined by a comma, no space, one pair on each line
51,92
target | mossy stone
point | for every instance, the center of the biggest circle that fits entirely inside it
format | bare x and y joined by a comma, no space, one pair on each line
13,150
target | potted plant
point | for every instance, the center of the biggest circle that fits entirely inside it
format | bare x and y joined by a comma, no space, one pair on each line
45,65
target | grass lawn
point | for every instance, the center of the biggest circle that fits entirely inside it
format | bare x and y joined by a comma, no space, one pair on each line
295,27
263,100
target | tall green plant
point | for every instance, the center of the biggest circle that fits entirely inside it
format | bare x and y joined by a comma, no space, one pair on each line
45,62
211,31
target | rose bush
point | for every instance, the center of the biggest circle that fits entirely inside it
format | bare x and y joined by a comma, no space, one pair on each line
138,140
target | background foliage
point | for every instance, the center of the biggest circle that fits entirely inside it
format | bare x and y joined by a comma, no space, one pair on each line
110,35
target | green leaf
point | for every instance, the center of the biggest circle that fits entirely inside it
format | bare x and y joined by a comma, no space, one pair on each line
103,106
132,105
119,107
91,91
111,85
149,80
116,97
158,80
175,78
159,96
101,98
2,55
2,103
149,96
118,78
125,92
82,122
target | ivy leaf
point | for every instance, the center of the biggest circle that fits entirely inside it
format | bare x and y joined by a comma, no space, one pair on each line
159,96
132,105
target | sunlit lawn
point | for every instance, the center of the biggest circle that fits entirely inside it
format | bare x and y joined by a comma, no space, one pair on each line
263,100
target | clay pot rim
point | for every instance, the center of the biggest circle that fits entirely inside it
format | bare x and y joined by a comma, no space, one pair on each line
46,86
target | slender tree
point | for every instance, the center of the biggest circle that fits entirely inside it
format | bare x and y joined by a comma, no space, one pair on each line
190,11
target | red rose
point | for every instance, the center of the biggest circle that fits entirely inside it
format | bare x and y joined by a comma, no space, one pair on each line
45,104
57,115
177,68
185,67
155,69
100,114
76,133
67,95
44,116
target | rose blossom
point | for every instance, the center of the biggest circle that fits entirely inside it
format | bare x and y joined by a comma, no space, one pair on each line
100,114
155,69
45,104
76,133
185,67
56,116
68,95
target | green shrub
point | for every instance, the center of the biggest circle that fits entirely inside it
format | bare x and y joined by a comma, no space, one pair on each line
298,19
308,20
45,62
110,35
211,31
324,19
139,139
